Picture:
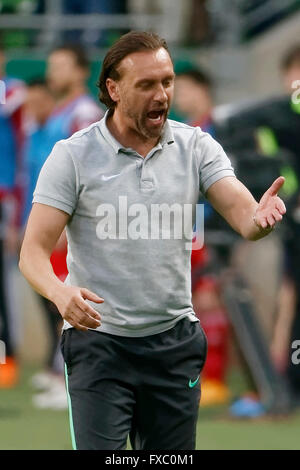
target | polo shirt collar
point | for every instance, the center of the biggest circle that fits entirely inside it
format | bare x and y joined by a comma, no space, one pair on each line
166,137
107,134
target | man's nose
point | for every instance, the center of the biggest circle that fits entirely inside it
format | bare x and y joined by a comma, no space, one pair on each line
160,94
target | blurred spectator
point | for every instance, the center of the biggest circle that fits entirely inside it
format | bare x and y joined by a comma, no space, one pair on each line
211,312
55,110
11,137
287,328
39,106
67,72
193,99
265,136
290,68
282,116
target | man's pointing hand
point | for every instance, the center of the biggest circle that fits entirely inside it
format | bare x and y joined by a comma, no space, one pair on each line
270,208
72,305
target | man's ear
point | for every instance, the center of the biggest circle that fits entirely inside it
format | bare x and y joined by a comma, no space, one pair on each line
113,89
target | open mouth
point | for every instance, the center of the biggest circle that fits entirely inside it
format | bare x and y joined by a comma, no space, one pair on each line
156,117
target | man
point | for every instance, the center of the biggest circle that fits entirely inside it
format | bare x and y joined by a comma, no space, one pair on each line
193,98
290,69
285,133
138,373
11,137
67,72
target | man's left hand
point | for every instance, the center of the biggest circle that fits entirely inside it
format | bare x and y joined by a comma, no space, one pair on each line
270,208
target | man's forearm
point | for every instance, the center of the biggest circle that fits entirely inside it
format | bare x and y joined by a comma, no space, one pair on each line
70,300
242,220
234,202
38,271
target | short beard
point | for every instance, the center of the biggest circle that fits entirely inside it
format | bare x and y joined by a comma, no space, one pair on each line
140,125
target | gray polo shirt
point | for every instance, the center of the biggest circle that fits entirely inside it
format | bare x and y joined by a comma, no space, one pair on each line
121,243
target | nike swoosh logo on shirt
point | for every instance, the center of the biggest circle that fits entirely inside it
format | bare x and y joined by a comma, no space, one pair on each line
192,384
106,178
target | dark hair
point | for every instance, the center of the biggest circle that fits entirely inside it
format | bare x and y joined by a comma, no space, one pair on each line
135,41
198,76
78,52
291,57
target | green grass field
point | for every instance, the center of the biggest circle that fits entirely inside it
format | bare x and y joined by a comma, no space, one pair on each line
24,427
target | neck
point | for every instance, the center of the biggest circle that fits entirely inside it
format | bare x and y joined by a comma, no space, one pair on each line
74,93
47,115
129,137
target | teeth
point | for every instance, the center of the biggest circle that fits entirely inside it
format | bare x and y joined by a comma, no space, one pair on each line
158,118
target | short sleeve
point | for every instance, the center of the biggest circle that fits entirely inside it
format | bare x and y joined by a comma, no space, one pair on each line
213,161
57,184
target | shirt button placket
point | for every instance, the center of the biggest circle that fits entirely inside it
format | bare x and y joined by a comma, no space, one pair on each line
139,168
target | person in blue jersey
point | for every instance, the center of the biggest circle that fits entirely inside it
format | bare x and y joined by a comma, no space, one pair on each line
39,106
72,108
60,106
67,72
11,137
10,128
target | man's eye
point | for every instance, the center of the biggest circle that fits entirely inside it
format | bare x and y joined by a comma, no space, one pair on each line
145,85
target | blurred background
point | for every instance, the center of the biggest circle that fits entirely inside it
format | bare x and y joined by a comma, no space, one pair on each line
237,69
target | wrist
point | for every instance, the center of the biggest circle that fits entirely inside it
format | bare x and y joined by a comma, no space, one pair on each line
56,291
